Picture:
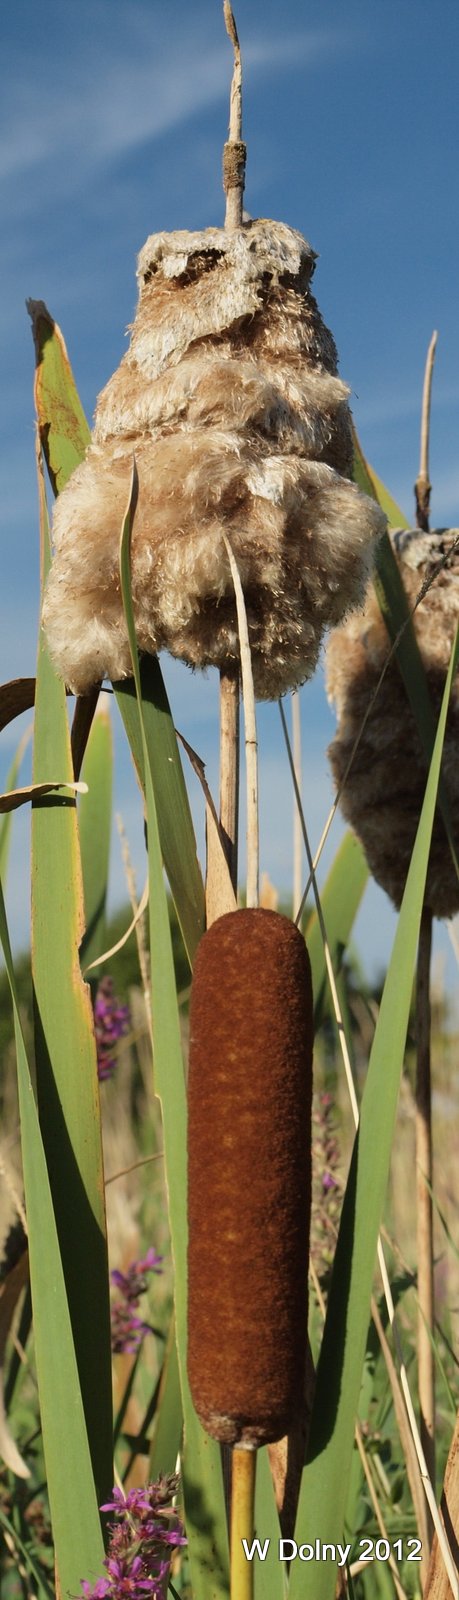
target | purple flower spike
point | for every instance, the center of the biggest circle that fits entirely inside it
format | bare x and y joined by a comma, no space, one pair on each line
141,1547
133,1283
111,1022
130,1580
128,1330
132,1504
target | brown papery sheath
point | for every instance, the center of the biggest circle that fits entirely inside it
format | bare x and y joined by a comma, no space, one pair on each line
249,1175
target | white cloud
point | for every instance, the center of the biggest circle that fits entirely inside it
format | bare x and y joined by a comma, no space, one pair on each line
148,87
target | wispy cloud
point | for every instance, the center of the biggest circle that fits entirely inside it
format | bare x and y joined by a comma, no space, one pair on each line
151,81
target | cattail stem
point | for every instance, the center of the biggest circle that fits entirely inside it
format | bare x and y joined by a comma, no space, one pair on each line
242,1521
297,829
229,681
251,742
234,154
229,768
426,1365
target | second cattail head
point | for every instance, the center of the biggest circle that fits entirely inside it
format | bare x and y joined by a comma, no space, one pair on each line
383,794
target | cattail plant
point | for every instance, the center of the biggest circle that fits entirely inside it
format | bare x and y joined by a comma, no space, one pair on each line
230,398
249,540
382,783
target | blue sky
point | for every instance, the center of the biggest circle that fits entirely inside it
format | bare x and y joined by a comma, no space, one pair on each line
114,114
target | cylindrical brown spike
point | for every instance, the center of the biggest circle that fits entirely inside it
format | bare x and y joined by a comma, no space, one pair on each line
249,1175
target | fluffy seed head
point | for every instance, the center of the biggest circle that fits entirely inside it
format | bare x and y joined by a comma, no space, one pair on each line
383,794
230,399
249,1175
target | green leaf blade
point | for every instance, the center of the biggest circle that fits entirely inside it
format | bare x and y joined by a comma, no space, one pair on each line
178,843
64,431
367,479
73,1500
94,818
66,1063
340,900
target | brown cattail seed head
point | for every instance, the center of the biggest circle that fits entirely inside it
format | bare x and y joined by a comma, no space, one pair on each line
229,397
382,797
249,1175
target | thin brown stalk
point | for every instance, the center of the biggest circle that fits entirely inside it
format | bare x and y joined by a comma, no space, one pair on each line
139,909
134,1167
423,486
229,679
229,769
234,155
251,745
409,1452
438,1585
235,123
424,1213
220,891
297,831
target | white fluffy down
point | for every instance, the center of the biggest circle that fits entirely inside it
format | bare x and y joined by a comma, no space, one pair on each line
229,397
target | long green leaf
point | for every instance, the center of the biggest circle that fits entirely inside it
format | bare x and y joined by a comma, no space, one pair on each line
178,843
94,818
340,900
202,1475
270,1580
368,480
66,1065
168,1429
64,431
73,1500
322,1505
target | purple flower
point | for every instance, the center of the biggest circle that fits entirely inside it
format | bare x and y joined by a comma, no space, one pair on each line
133,1283
128,1330
131,1504
141,1547
111,1021
130,1581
